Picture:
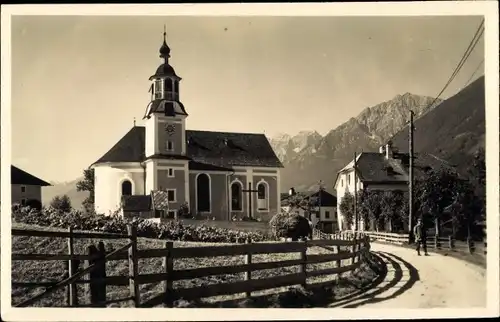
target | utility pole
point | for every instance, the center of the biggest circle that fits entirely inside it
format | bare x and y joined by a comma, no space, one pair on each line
356,219
410,181
320,184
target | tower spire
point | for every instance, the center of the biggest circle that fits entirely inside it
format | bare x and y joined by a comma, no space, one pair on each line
164,49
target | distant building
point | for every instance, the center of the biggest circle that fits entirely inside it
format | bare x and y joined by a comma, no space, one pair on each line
324,215
209,171
25,187
386,170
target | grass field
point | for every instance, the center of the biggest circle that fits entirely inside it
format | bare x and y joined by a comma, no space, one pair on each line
48,271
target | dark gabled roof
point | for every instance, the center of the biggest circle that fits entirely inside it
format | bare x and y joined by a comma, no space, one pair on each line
18,176
327,199
130,148
374,167
136,203
228,149
207,150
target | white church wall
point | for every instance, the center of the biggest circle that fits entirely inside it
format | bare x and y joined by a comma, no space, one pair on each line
151,142
108,184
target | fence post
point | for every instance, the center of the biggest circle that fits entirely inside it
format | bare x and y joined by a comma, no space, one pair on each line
450,242
72,267
168,265
248,261
132,265
303,266
101,274
93,275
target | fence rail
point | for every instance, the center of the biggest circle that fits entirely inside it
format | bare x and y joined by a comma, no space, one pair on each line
436,242
95,266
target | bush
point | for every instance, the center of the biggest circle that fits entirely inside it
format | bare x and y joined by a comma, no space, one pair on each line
34,204
290,226
61,203
170,230
184,211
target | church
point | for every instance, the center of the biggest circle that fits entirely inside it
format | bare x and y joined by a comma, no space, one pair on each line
157,169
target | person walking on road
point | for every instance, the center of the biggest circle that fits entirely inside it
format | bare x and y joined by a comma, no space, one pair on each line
420,236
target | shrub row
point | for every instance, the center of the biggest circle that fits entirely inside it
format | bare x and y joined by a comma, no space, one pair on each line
171,230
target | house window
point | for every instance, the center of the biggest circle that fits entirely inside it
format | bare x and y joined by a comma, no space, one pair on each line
23,202
170,173
169,146
171,213
348,179
236,197
262,195
327,214
126,188
158,89
171,195
23,189
342,182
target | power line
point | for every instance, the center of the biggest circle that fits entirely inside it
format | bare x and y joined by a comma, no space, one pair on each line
464,58
474,73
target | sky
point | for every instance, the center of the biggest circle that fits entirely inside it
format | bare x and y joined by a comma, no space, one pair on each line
78,82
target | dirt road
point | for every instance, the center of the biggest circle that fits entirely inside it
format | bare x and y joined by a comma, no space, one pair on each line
413,281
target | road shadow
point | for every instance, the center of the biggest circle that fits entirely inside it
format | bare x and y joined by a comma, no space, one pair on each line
371,297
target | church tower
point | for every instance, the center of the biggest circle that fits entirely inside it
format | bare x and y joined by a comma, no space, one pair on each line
165,122
165,115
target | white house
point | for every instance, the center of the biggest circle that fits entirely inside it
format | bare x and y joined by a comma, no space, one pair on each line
386,170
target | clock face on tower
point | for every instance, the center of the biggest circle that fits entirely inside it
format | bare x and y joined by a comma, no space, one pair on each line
170,128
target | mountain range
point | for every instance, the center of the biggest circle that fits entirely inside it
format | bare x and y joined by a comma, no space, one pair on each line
452,129
306,164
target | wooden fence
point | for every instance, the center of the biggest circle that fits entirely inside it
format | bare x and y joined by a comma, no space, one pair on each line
96,258
433,242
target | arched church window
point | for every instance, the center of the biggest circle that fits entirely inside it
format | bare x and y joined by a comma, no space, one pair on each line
126,188
236,197
262,195
203,197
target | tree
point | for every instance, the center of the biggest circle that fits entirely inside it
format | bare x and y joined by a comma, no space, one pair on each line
87,184
61,203
392,203
441,189
477,176
370,207
346,208
465,212
304,202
